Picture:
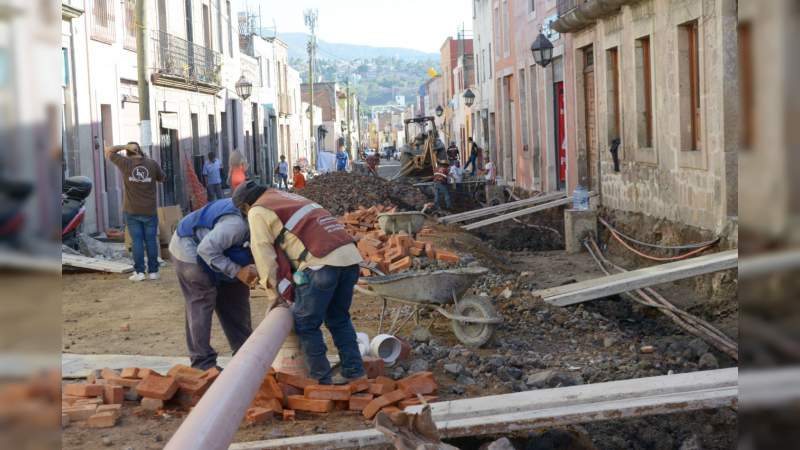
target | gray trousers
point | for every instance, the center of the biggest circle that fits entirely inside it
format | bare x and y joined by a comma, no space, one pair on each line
231,301
214,192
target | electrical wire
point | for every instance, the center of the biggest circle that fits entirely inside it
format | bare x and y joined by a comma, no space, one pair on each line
660,258
647,244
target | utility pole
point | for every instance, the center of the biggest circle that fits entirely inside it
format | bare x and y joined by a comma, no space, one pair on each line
347,117
145,130
310,16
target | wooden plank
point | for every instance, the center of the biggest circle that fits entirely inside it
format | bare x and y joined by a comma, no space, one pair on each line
618,283
685,396
10,259
767,263
520,213
100,265
770,388
474,214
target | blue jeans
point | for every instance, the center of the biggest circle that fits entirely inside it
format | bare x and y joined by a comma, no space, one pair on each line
144,234
474,161
326,298
283,180
441,189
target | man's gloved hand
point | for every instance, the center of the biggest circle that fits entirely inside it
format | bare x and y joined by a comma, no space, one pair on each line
248,275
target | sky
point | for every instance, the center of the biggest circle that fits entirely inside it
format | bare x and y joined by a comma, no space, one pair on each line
417,24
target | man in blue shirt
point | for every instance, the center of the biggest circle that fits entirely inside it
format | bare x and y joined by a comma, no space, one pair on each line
282,171
341,160
211,172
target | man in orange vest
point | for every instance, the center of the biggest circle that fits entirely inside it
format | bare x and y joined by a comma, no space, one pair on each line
305,257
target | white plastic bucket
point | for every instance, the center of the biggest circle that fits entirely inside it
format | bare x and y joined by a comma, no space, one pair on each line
363,343
386,347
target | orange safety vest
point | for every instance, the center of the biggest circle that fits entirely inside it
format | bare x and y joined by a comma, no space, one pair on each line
318,231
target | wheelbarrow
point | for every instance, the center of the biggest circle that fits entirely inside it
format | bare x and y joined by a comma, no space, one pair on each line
410,222
473,319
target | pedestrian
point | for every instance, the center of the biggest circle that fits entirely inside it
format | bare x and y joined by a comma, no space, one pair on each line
237,170
212,172
298,180
440,176
474,151
373,160
456,175
282,171
140,209
296,243
489,171
452,153
215,270
341,160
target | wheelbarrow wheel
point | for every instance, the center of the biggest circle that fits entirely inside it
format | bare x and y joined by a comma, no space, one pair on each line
474,334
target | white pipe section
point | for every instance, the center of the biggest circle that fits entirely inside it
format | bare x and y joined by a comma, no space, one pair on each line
213,422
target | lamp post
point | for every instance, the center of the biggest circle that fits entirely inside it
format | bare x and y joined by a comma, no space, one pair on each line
439,111
542,50
469,98
244,88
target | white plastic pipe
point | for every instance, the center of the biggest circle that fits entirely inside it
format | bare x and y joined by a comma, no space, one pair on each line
213,422
386,347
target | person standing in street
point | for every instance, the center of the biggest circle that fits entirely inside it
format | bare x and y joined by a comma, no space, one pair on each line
140,208
372,164
341,160
474,152
489,171
306,258
215,271
440,177
298,180
456,175
237,170
282,171
452,153
212,172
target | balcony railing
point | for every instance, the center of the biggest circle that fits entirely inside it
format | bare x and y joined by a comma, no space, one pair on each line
180,58
565,6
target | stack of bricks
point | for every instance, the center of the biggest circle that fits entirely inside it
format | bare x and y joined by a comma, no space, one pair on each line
96,405
282,394
389,253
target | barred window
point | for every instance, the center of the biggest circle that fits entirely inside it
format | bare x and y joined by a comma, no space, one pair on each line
103,21
130,24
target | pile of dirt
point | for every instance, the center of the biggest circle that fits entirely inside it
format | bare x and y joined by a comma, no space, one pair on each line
340,192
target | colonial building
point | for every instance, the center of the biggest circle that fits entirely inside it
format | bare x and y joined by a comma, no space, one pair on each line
483,111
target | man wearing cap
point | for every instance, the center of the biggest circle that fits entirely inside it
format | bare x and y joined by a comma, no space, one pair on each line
215,270
440,177
305,257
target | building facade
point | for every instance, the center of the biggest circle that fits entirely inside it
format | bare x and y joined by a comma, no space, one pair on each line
483,115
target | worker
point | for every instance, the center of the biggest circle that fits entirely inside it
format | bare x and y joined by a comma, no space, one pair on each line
452,153
306,258
298,180
282,171
211,174
238,169
489,171
372,164
215,271
440,177
139,176
456,175
341,160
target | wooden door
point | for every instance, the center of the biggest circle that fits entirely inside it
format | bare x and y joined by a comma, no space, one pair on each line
590,136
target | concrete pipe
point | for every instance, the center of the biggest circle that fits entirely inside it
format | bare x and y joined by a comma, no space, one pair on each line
213,422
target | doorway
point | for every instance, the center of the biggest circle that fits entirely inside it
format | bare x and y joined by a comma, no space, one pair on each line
561,145
590,139
112,180
170,162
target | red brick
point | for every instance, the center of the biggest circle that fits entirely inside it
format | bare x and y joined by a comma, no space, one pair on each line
145,372
294,380
416,251
418,244
289,390
259,415
359,385
388,383
378,389
154,386
211,374
405,350
374,367
288,415
418,383
83,390
391,410
130,372
152,404
359,401
416,401
116,409
191,390
102,420
88,401
448,257
383,401
327,392
80,412
400,265
341,405
180,371
300,403
429,251
113,395
270,389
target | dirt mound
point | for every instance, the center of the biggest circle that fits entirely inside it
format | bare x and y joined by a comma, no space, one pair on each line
341,192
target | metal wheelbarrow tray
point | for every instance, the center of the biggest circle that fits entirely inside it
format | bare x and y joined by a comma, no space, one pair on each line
410,222
473,319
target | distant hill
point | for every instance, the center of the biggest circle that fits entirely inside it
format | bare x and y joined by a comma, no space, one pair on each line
297,43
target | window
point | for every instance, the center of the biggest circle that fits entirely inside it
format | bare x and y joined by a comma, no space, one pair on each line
612,94
747,105
219,26
498,32
523,108
506,30
537,169
103,21
129,40
689,85
644,99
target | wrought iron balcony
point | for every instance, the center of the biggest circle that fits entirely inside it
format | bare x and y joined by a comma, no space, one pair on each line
175,57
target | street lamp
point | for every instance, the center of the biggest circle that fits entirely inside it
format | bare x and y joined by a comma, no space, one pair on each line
308,112
244,88
439,111
542,50
469,98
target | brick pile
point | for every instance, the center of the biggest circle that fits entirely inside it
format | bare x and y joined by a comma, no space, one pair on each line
340,192
390,253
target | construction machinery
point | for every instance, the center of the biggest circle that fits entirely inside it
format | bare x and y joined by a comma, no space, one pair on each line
423,149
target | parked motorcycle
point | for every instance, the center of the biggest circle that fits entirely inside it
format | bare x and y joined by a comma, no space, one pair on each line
74,193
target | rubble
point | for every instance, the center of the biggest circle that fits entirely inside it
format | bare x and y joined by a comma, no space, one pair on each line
340,192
